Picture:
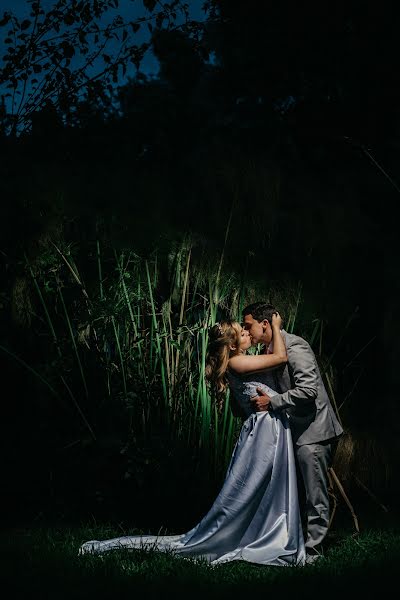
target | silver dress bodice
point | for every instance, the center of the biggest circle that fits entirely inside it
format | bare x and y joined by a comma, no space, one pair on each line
244,387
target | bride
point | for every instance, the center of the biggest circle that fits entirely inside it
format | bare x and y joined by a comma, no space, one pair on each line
255,517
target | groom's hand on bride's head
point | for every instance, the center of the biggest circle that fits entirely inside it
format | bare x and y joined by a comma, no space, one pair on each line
262,401
276,319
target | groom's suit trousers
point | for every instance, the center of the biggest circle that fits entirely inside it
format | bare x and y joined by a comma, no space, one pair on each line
315,429
313,462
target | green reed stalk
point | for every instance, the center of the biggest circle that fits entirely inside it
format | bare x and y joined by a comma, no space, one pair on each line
139,289
73,269
198,396
152,361
75,273
216,288
157,337
73,340
99,270
217,440
294,314
184,288
242,290
193,396
198,411
171,346
212,306
225,416
126,295
155,272
121,360
135,324
46,312
204,397
167,363
194,293
318,323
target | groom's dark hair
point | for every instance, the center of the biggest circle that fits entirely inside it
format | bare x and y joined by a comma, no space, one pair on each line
260,311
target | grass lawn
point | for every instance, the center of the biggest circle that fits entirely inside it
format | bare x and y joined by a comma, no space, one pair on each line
43,562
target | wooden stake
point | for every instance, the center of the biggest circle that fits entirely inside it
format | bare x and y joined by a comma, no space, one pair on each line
345,498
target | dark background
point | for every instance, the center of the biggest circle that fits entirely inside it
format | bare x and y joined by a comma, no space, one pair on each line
290,111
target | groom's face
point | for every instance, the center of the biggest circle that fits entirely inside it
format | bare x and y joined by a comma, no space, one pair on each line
260,331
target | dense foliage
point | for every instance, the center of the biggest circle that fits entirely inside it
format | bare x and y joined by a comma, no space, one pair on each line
269,140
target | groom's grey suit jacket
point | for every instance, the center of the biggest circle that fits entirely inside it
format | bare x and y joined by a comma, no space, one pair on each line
302,394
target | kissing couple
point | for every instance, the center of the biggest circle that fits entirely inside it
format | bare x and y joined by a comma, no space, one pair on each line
287,440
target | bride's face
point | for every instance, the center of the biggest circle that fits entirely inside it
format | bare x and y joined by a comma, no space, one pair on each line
245,341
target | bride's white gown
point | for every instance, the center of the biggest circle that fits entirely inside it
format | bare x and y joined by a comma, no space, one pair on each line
256,516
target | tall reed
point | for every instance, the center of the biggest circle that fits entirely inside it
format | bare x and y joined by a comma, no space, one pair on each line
146,338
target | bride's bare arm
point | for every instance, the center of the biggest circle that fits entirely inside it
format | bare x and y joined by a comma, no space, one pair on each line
243,363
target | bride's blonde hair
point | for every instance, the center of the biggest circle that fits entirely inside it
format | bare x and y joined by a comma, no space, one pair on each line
222,337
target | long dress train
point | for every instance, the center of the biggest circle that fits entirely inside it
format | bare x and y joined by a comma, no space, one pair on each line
255,517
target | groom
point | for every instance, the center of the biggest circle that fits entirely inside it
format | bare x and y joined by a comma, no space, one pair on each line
313,423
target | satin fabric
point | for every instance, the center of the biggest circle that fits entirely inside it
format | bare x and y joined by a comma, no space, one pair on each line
255,517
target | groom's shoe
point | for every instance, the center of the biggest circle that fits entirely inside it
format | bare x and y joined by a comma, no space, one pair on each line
313,555
311,559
